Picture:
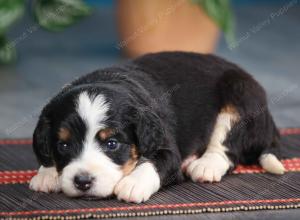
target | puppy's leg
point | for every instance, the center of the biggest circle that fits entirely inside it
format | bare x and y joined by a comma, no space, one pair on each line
148,176
46,180
140,184
214,163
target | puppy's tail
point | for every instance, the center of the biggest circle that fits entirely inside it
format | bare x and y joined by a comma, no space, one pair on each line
271,163
268,159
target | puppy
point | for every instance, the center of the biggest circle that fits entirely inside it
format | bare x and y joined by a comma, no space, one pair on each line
128,130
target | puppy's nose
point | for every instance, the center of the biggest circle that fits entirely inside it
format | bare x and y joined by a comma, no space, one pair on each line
83,181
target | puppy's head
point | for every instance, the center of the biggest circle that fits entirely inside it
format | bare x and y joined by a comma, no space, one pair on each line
94,139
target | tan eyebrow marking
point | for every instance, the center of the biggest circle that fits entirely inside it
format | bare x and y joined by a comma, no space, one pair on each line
64,134
106,133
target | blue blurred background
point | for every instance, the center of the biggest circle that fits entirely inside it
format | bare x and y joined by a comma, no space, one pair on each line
46,60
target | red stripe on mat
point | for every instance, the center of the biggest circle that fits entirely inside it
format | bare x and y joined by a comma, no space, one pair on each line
144,207
289,131
16,142
284,131
289,164
24,176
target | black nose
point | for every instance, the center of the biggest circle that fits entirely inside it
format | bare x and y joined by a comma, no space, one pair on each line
83,181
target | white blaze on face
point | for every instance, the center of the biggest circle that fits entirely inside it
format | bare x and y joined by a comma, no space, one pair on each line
93,111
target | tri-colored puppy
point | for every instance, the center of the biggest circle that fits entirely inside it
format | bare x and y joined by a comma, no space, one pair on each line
130,129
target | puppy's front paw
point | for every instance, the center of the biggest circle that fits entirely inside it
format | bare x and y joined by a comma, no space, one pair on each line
208,168
139,185
46,180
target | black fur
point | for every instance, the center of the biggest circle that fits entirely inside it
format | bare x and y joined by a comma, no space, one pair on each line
166,104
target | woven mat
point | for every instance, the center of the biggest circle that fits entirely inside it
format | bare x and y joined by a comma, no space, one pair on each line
248,188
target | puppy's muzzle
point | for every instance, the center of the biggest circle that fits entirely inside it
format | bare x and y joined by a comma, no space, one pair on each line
83,181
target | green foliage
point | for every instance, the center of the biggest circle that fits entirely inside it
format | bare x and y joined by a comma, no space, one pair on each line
53,15
7,51
220,11
10,11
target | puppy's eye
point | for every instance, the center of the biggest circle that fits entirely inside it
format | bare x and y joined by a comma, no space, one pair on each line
63,147
112,144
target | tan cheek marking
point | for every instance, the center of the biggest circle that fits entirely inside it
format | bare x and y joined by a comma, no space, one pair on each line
64,134
106,133
130,164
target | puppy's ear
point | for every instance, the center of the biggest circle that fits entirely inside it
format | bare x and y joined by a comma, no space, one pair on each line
41,142
149,132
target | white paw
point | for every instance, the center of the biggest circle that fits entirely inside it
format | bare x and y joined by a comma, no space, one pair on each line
46,180
139,185
208,168
187,161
